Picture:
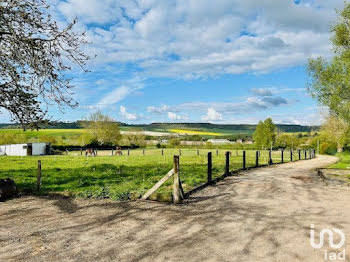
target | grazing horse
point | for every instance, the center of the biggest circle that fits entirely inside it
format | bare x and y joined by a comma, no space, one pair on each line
90,151
118,151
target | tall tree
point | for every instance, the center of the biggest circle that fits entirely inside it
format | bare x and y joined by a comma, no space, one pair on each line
336,130
330,79
102,129
35,58
265,133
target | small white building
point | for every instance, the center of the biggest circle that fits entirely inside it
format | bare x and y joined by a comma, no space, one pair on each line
219,141
28,149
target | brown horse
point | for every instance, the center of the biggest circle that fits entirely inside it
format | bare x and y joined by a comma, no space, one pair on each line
90,151
118,151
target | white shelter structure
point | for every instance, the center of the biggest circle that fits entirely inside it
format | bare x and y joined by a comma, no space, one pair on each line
28,149
219,141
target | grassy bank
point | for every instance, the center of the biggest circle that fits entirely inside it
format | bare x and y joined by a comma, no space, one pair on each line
117,177
344,161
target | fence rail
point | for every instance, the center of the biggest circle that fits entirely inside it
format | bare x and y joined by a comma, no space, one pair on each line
179,195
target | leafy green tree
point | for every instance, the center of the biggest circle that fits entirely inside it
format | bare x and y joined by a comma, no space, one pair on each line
102,128
330,79
36,55
265,133
336,129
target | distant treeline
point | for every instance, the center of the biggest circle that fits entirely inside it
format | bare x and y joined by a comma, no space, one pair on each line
165,126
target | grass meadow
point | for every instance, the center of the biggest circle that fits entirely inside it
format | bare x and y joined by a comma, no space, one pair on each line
119,177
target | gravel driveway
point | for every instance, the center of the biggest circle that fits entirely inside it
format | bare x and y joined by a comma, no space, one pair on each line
261,215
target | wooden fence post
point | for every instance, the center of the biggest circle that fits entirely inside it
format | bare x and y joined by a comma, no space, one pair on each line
128,151
38,179
210,167
282,156
227,164
217,152
305,153
143,152
256,158
299,154
81,151
162,152
244,161
178,195
291,155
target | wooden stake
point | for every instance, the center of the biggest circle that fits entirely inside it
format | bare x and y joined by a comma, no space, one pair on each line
210,168
244,161
227,165
178,195
158,184
38,180
282,156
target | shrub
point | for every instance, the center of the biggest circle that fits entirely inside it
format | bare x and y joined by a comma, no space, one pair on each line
328,148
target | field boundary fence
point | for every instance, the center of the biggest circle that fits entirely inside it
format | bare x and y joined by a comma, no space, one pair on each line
179,195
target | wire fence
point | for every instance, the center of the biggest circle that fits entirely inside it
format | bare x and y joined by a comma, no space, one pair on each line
118,176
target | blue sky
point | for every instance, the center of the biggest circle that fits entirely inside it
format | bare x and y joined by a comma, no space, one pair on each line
223,61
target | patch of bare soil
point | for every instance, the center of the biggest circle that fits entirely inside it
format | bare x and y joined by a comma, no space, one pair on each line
335,176
260,215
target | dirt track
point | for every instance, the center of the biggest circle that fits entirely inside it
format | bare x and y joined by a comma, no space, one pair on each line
263,215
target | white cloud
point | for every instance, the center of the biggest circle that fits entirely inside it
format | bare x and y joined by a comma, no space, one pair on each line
231,38
212,115
126,115
114,97
174,116
158,110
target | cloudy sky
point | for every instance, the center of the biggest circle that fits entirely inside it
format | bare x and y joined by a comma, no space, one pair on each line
223,61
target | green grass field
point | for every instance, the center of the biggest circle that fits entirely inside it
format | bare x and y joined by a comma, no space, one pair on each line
117,177
344,161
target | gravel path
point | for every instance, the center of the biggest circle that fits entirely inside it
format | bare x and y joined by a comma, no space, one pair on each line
261,215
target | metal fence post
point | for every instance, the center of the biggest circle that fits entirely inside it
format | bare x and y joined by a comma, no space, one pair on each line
256,158
299,154
291,155
305,153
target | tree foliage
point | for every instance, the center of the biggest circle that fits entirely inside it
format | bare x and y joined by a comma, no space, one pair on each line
330,79
102,129
336,129
35,58
265,133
